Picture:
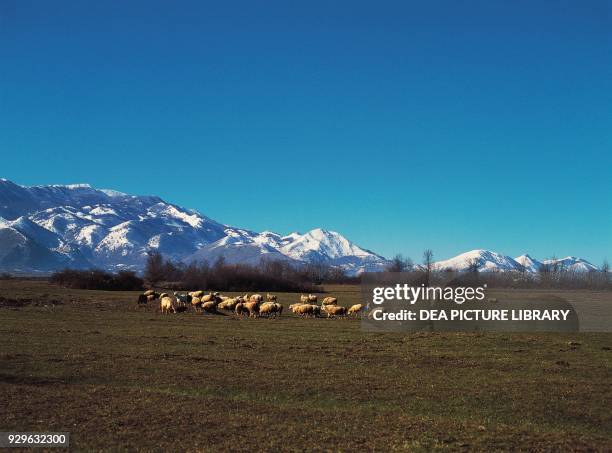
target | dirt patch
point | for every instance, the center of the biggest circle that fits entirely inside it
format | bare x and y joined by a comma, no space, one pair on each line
25,301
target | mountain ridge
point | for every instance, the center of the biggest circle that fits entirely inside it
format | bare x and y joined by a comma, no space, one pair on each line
88,227
47,227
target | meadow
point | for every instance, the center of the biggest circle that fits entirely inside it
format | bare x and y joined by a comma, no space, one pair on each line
121,377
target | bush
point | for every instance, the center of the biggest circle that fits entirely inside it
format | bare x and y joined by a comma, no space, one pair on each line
98,279
268,275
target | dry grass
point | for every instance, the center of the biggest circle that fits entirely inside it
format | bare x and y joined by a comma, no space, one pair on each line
119,377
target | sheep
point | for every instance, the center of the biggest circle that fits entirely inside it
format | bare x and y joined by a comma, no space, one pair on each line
335,310
312,298
198,293
162,295
303,298
184,299
295,308
279,309
256,298
271,309
355,309
267,309
240,309
228,304
305,310
166,304
142,299
152,295
330,301
210,307
253,308
207,297
270,297
196,303
374,311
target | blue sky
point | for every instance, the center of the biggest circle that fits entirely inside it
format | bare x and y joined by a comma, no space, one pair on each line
403,125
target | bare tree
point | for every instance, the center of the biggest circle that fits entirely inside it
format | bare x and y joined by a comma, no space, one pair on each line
473,264
399,264
605,267
154,268
428,263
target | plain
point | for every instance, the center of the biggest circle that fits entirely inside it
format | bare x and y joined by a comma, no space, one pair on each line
121,377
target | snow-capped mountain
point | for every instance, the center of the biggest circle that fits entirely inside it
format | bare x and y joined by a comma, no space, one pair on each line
483,260
529,264
23,242
488,261
48,227
571,263
43,228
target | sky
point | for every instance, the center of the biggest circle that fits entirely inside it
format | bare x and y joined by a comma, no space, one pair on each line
449,125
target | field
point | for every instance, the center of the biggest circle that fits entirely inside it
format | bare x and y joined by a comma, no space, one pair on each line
119,377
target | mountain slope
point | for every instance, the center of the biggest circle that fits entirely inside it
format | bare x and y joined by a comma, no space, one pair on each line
25,246
529,264
82,227
330,247
571,263
485,260
44,228
488,261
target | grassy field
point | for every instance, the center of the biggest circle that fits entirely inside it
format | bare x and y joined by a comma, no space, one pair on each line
119,377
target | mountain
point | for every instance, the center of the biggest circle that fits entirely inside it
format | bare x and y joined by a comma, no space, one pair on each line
530,264
44,228
49,227
484,260
571,263
22,243
488,261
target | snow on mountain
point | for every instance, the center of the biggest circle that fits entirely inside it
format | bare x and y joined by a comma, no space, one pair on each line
571,263
488,261
331,248
25,246
105,228
316,246
484,260
320,244
242,246
528,263
49,227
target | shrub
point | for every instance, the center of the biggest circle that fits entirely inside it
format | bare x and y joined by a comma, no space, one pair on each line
98,279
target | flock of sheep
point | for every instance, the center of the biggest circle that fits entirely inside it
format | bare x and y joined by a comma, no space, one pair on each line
252,306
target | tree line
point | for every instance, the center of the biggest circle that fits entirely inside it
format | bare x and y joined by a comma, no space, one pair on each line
552,275
272,275
284,276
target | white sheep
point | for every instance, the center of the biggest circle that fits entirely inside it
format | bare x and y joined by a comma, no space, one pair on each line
166,304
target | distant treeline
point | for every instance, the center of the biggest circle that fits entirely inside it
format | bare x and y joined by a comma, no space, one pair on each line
283,276
267,275
562,279
98,279
565,279
549,276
